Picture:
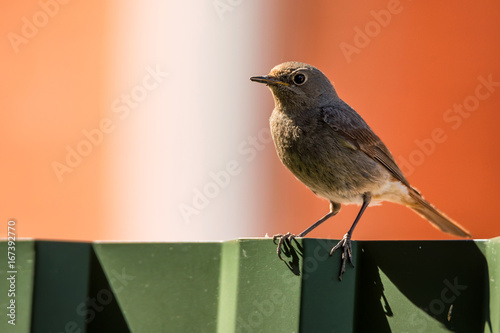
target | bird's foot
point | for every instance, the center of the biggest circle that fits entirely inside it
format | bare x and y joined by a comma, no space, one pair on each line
288,237
344,243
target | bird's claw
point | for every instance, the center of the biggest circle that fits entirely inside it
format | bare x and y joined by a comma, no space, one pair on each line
282,238
345,243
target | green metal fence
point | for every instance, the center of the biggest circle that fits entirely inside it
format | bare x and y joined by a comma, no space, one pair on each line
242,286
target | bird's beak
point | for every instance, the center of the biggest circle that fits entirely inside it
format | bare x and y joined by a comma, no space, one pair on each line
267,80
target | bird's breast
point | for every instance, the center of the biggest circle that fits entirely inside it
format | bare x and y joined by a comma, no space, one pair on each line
323,160
290,138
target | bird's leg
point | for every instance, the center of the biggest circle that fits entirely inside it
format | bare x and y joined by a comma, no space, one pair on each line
345,242
334,209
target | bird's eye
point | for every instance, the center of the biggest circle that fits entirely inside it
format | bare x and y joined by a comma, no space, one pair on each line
299,79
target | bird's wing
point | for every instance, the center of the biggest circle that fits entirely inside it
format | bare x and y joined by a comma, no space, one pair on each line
346,122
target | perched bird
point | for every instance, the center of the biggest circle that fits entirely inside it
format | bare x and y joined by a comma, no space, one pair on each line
331,149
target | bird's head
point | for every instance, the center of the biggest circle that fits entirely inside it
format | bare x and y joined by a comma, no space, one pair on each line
298,86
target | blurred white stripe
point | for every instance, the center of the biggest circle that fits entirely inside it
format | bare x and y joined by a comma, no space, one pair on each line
191,125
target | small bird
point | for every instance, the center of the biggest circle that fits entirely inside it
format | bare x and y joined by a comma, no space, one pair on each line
331,149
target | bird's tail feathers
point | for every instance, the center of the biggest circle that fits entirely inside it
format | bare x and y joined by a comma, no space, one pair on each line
437,219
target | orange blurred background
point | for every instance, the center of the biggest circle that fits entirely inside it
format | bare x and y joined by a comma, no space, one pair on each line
137,121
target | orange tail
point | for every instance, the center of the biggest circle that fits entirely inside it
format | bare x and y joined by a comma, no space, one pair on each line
438,219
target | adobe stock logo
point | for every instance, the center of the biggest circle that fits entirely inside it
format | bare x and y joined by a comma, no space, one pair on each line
31,26
418,320
454,117
219,180
122,107
224,6
363,37
92,306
